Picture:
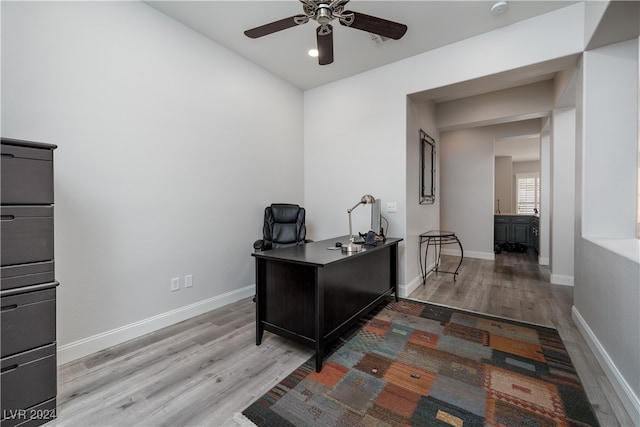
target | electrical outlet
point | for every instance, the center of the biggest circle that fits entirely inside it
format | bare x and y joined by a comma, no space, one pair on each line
391,207
175,284
188,281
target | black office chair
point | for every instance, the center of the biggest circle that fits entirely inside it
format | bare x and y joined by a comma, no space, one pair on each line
284,225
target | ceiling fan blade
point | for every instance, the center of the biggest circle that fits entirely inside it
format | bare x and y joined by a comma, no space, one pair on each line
371,24
325,44
273,27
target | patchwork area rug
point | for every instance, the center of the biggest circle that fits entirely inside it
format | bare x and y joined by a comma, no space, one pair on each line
415,364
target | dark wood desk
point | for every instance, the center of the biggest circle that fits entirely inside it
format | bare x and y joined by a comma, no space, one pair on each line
312,294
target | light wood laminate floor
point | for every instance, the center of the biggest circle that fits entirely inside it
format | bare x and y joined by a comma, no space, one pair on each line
516,287
202,371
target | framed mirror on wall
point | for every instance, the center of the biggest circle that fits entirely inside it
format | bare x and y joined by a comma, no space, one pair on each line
427,169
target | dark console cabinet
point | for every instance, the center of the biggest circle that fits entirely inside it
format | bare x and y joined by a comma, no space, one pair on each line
522,229
501,229
28,288
535,233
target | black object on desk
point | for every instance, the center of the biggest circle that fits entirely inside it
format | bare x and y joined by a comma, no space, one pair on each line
437,238
312,295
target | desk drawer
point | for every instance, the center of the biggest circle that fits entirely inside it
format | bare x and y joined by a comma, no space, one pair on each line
28,321
501,219
21,275
34,416
27,234
28,379
520,220
27,175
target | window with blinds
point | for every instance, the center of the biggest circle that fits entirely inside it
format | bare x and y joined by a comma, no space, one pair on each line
528,193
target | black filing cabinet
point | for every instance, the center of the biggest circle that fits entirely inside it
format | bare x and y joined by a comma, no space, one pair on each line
28,375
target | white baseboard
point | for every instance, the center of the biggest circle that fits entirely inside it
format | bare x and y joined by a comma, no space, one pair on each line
630,401
470,254
406,290
89,345
559,279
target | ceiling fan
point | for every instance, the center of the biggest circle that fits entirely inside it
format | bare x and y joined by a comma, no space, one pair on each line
325,11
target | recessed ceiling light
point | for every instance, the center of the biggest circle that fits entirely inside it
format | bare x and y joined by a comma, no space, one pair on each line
499,7
313,53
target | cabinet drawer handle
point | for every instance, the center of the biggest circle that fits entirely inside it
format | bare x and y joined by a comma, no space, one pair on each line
7,217
9,307
9,368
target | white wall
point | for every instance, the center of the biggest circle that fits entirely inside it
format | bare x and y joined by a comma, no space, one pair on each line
545,193
562,197
351,150
607,262
420,218
506,106
163,140
529,166
355,129
532,166
611,159
519,103
467,182
503,185
606,311
594,11
467,175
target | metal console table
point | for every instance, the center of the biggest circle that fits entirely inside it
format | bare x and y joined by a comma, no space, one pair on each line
437,238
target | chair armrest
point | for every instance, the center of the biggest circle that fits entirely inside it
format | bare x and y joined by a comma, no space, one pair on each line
262,245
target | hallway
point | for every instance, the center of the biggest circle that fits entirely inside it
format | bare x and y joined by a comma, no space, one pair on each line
516,287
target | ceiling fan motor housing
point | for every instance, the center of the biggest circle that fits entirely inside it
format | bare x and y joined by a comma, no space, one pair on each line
324,14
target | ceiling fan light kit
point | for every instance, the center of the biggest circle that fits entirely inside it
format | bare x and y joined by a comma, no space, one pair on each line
324,12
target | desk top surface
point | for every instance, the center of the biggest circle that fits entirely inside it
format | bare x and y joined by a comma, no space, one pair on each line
318,253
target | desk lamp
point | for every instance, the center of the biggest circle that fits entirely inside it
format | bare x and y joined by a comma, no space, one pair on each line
367,199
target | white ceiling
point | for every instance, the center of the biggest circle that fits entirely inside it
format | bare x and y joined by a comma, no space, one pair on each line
520,149
432,24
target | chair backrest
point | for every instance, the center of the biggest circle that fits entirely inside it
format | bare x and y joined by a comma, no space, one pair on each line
284,225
